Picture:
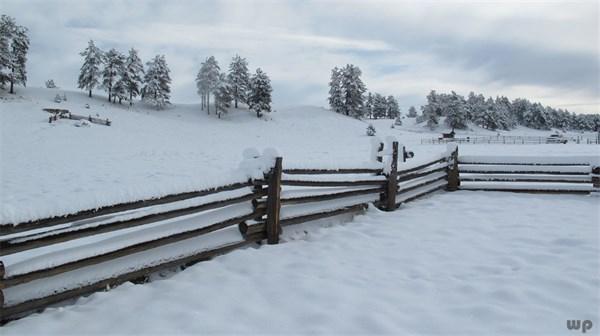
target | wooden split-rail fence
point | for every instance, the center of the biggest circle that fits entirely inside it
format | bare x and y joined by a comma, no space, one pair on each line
47,261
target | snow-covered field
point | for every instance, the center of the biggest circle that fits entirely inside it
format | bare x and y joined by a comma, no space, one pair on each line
54,169
454,263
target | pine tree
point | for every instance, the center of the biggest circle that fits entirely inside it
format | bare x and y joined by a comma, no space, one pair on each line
368,108
336,100
432,110
379,106
238,78
14,44
157,82
223,95
89,76
353,89
131,78
456,115
113,64
412,112
259,98
393,110
207,80
202,84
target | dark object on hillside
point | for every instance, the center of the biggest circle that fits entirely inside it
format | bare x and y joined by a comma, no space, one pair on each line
556,138
448,135
65,114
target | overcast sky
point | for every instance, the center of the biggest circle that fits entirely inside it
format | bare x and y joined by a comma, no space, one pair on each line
546,51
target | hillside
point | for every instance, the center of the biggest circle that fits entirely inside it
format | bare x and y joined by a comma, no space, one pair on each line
53,169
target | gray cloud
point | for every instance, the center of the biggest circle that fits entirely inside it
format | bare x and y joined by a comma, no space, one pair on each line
546,51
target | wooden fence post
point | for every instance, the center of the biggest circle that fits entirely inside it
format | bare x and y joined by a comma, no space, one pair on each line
453,176
274,203
596,178
392,179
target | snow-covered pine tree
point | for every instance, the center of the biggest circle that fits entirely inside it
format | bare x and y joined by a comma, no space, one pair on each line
536,117
157,82
223,95
393,110
131,77
212,73
238,78
14,44
5,38
432,110
259,97
89,77
380,106
368,108
336,99
202,84
412,112
353,90
113,64
371,130
456,115
503,108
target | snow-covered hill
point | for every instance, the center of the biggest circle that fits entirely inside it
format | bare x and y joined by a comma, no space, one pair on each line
52,169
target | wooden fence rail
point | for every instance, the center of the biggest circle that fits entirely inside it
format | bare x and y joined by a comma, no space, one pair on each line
61,248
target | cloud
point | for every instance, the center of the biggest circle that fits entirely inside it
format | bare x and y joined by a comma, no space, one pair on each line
543,50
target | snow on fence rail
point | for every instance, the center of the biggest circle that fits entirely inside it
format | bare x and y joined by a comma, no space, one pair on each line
513,140
50,260
576,174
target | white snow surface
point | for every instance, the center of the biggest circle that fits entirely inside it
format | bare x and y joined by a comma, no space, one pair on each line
56,169
460,263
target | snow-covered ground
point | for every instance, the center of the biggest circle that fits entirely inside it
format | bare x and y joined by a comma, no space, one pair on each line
54,169
453,263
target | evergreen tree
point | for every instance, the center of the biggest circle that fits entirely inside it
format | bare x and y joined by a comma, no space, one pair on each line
113,66
412,112
259,97
208,80
336,99
456,115
89,76
131,78
380,106
393,110
536,117
14,44
202,84
238,78
223,95
432,110
368,108
157,82
353,89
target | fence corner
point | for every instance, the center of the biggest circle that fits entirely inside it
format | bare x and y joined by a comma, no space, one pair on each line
273,225
453,175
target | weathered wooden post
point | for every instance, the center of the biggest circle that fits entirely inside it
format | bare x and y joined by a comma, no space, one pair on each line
453,176
596,178
274,203
392,179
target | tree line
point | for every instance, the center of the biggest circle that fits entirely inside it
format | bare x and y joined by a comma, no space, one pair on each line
347,96
234,86
14,45
123,77
501,113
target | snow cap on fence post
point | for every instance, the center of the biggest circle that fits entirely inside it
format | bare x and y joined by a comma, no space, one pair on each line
375,148
450,148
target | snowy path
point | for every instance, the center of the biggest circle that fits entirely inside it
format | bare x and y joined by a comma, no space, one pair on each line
454,263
